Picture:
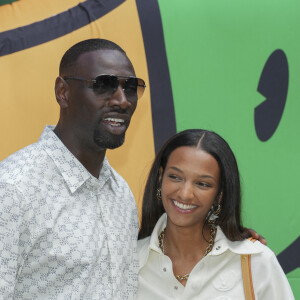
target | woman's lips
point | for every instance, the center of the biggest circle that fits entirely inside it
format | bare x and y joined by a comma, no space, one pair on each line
183,208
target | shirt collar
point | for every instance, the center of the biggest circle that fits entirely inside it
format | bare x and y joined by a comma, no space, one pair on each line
145,245
73,172
159,227
221,244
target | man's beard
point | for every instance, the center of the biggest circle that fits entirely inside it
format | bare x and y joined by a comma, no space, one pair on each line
108,141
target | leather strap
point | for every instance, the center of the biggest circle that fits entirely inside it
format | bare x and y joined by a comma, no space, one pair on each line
247,276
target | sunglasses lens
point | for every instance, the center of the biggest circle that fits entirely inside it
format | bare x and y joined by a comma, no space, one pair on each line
134,88
141,87
130,88
105,84
108,84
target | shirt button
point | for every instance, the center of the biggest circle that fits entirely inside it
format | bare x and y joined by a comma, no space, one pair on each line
164,269
91,194
175,287
218,248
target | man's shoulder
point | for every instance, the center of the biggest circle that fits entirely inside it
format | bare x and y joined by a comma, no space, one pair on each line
118,179
21,162
21,155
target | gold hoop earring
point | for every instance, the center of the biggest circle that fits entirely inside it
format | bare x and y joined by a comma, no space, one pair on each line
158,194
216,210
214,213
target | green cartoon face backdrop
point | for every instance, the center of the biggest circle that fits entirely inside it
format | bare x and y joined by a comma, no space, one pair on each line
228,66
217,51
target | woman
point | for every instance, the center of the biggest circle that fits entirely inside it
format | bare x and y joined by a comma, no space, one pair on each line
192,240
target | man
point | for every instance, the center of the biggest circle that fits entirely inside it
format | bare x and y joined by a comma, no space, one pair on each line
68,221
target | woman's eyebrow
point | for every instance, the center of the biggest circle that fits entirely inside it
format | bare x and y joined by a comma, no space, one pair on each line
199,175
176,169
206,176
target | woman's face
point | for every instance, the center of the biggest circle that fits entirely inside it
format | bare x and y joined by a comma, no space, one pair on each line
189,186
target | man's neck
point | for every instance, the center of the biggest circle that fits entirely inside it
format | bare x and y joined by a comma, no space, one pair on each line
91,159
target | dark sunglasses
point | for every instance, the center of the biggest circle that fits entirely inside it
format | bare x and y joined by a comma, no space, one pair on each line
107,85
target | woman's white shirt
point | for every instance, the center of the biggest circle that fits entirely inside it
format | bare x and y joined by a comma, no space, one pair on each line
217,276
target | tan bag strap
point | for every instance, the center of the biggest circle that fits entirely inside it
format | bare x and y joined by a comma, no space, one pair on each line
247,276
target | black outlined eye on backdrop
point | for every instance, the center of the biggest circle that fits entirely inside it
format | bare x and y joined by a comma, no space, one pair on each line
273,85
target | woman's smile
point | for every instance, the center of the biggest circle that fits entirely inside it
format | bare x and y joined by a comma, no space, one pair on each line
183,208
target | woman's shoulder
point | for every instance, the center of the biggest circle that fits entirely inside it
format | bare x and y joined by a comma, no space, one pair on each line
268,276
261,255
264,256
261,249
246,246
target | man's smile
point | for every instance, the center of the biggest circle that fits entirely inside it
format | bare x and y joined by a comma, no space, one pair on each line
114,121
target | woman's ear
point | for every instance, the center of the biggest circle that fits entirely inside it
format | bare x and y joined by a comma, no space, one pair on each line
160,174
61,92
220,197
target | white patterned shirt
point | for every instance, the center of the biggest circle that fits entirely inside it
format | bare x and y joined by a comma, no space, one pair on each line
65,234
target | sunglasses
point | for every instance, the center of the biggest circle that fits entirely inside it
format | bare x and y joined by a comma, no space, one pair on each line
107,85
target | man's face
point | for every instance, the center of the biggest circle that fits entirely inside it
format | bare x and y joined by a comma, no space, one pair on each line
99,120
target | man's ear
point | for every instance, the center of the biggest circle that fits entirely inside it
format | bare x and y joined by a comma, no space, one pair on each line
61,92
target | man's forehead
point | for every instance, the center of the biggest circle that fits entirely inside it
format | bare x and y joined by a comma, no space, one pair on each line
104,58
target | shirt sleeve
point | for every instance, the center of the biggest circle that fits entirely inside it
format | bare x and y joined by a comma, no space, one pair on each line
9,238
269,280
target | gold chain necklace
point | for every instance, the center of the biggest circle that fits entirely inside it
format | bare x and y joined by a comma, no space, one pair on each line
211,241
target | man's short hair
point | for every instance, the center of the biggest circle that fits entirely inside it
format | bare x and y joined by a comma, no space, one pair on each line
71,55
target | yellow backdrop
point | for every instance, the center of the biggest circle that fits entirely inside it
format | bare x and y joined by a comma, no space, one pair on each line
27,82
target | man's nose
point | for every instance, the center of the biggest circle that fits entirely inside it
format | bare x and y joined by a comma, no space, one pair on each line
119,98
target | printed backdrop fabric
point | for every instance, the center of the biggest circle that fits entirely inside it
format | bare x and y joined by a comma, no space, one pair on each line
227,66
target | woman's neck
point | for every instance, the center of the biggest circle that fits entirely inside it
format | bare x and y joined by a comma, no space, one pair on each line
186,242
185,246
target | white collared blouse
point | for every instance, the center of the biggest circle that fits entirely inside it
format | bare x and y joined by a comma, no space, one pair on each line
217,276
65,234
